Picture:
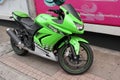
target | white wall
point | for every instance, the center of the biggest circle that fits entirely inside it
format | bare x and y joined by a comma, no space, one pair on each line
112,30
8,6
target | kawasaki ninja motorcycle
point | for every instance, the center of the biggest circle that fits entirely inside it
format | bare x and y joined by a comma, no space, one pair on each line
54,38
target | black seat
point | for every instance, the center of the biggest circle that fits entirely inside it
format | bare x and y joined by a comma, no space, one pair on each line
27,21
24,20
29,25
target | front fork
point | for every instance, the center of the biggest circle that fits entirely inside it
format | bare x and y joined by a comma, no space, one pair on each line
73,52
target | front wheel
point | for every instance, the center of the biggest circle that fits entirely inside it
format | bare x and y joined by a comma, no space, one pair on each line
75,66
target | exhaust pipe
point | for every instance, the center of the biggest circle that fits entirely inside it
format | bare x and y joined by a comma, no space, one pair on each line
13,36
17,40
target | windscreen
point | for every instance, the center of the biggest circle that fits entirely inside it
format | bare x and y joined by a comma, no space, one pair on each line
71,10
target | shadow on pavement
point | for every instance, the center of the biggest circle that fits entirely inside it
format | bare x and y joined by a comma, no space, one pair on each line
103,40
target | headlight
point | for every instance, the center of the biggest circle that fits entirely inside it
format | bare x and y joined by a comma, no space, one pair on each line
79,27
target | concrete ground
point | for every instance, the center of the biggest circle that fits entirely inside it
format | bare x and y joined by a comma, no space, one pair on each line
106,65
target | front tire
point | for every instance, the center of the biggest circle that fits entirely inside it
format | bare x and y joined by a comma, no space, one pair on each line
70,65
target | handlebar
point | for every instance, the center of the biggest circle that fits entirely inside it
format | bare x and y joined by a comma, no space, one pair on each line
55,11
59,12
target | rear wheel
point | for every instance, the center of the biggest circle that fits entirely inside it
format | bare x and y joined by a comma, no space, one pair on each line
16,49
79,65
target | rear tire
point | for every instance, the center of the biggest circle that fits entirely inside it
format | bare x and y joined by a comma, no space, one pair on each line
69,65
18,51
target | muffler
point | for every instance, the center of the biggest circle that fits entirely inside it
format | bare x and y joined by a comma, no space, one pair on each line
13,36
17,40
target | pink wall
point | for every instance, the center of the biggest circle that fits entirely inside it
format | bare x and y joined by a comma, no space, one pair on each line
92,11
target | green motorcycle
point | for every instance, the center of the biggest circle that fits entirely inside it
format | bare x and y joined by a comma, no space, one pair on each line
54,38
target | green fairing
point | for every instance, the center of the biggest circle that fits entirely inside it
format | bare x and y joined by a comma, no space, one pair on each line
46,20
47,38
70,26
52,31
20,14
75,42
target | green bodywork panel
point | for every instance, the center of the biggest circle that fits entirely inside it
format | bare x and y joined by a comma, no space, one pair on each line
52,31
20,14
75,42
46,38
71,24
45,20
48,35
67,26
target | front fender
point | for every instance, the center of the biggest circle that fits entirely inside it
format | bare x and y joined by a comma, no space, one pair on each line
75,42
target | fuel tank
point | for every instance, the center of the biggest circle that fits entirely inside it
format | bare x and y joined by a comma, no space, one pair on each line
44,19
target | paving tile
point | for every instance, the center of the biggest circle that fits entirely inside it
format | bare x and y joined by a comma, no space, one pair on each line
104,57
5,48
85,78
74,78
98,78
3,35
89,75
64,76
9,73
44,65
116,74
10,61
103,70
1,78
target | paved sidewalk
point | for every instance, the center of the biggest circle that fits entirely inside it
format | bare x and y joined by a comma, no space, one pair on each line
1,78
3,35
38,75
9,73
106,66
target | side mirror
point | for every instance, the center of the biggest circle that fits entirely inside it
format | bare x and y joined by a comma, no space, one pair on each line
59,2
52,3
